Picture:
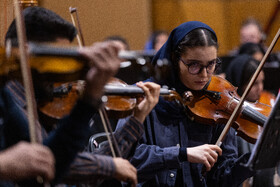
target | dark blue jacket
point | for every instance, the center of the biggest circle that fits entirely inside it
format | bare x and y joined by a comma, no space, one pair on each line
157,158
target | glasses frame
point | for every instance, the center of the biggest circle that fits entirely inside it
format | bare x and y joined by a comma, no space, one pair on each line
218,61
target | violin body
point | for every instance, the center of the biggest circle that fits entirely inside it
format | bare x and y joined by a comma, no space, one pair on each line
62,104
119,106
119,98
216,107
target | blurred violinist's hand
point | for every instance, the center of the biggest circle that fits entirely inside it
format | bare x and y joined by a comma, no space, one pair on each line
104,62
146,104
25,160
125,171
205,154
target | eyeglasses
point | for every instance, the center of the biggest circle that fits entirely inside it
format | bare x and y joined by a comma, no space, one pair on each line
195,67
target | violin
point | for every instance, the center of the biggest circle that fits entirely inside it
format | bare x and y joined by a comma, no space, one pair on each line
215,104
51,63
119,101
64,64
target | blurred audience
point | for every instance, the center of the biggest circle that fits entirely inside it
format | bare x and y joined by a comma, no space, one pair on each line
156,40
250,31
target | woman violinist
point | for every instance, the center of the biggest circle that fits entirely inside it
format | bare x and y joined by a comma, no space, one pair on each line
174,149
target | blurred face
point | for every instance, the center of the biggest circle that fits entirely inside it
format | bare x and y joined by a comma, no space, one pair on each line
203,56
250,33
257,89
160,40
258,56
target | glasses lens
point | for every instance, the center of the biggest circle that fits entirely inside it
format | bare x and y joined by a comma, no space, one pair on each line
194,68
211,67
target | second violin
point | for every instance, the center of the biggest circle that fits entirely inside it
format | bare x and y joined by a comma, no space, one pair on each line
120,98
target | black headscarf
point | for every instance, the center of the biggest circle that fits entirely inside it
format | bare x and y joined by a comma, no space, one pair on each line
175,37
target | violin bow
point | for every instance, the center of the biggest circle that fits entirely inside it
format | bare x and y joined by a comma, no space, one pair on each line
103,115
27,78
79,36
236,111
33,124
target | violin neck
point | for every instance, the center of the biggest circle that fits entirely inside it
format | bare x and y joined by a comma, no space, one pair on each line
254,115
132,55
45,50
109,89
129,90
